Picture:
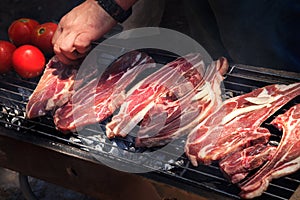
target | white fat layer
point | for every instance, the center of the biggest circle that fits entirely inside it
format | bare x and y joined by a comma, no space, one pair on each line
286,87
260,100
292,166
77,120
241,111
200,66
124,130
135,87
202,92
204,151
258,191
263,98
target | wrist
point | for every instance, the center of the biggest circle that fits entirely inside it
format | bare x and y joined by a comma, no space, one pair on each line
116,11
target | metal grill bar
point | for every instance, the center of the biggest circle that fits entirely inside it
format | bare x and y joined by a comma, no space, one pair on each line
241,79
192,170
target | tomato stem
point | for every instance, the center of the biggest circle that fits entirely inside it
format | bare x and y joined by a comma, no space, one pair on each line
23,20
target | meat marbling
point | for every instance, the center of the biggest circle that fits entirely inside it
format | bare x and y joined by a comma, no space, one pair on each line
54,89
286,158
239,164
236,124
98,99
181,115
172,97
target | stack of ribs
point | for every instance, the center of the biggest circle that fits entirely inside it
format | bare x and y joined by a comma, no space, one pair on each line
64,94
233,136
182,98
170,102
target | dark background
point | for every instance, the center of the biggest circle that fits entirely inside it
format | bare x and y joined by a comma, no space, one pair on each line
53,10
41,10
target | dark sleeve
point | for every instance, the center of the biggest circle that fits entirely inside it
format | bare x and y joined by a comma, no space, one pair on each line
258,33
203,27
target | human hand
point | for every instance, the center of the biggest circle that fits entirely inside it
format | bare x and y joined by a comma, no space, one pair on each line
78,28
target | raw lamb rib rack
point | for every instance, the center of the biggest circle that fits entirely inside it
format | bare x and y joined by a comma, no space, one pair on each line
184,113
97,99
236,124
54,89
238,165
172,96
286,158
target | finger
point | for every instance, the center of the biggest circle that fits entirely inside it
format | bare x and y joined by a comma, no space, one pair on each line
82,43
67,47
77,55
65,60
66,42
60,55
71,51
57,34
58,41
58,50
65,56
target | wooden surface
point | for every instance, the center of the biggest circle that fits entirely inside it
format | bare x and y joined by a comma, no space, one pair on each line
296,195
58,164
167,192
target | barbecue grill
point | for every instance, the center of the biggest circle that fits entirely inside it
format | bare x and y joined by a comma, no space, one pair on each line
35,148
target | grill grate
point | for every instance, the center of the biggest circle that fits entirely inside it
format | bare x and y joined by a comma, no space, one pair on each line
14,94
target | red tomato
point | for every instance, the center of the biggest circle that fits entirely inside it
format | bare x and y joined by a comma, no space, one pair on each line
28,61
42,36
6,51
20,31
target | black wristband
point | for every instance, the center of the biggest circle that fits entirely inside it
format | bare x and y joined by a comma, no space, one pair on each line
114,10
